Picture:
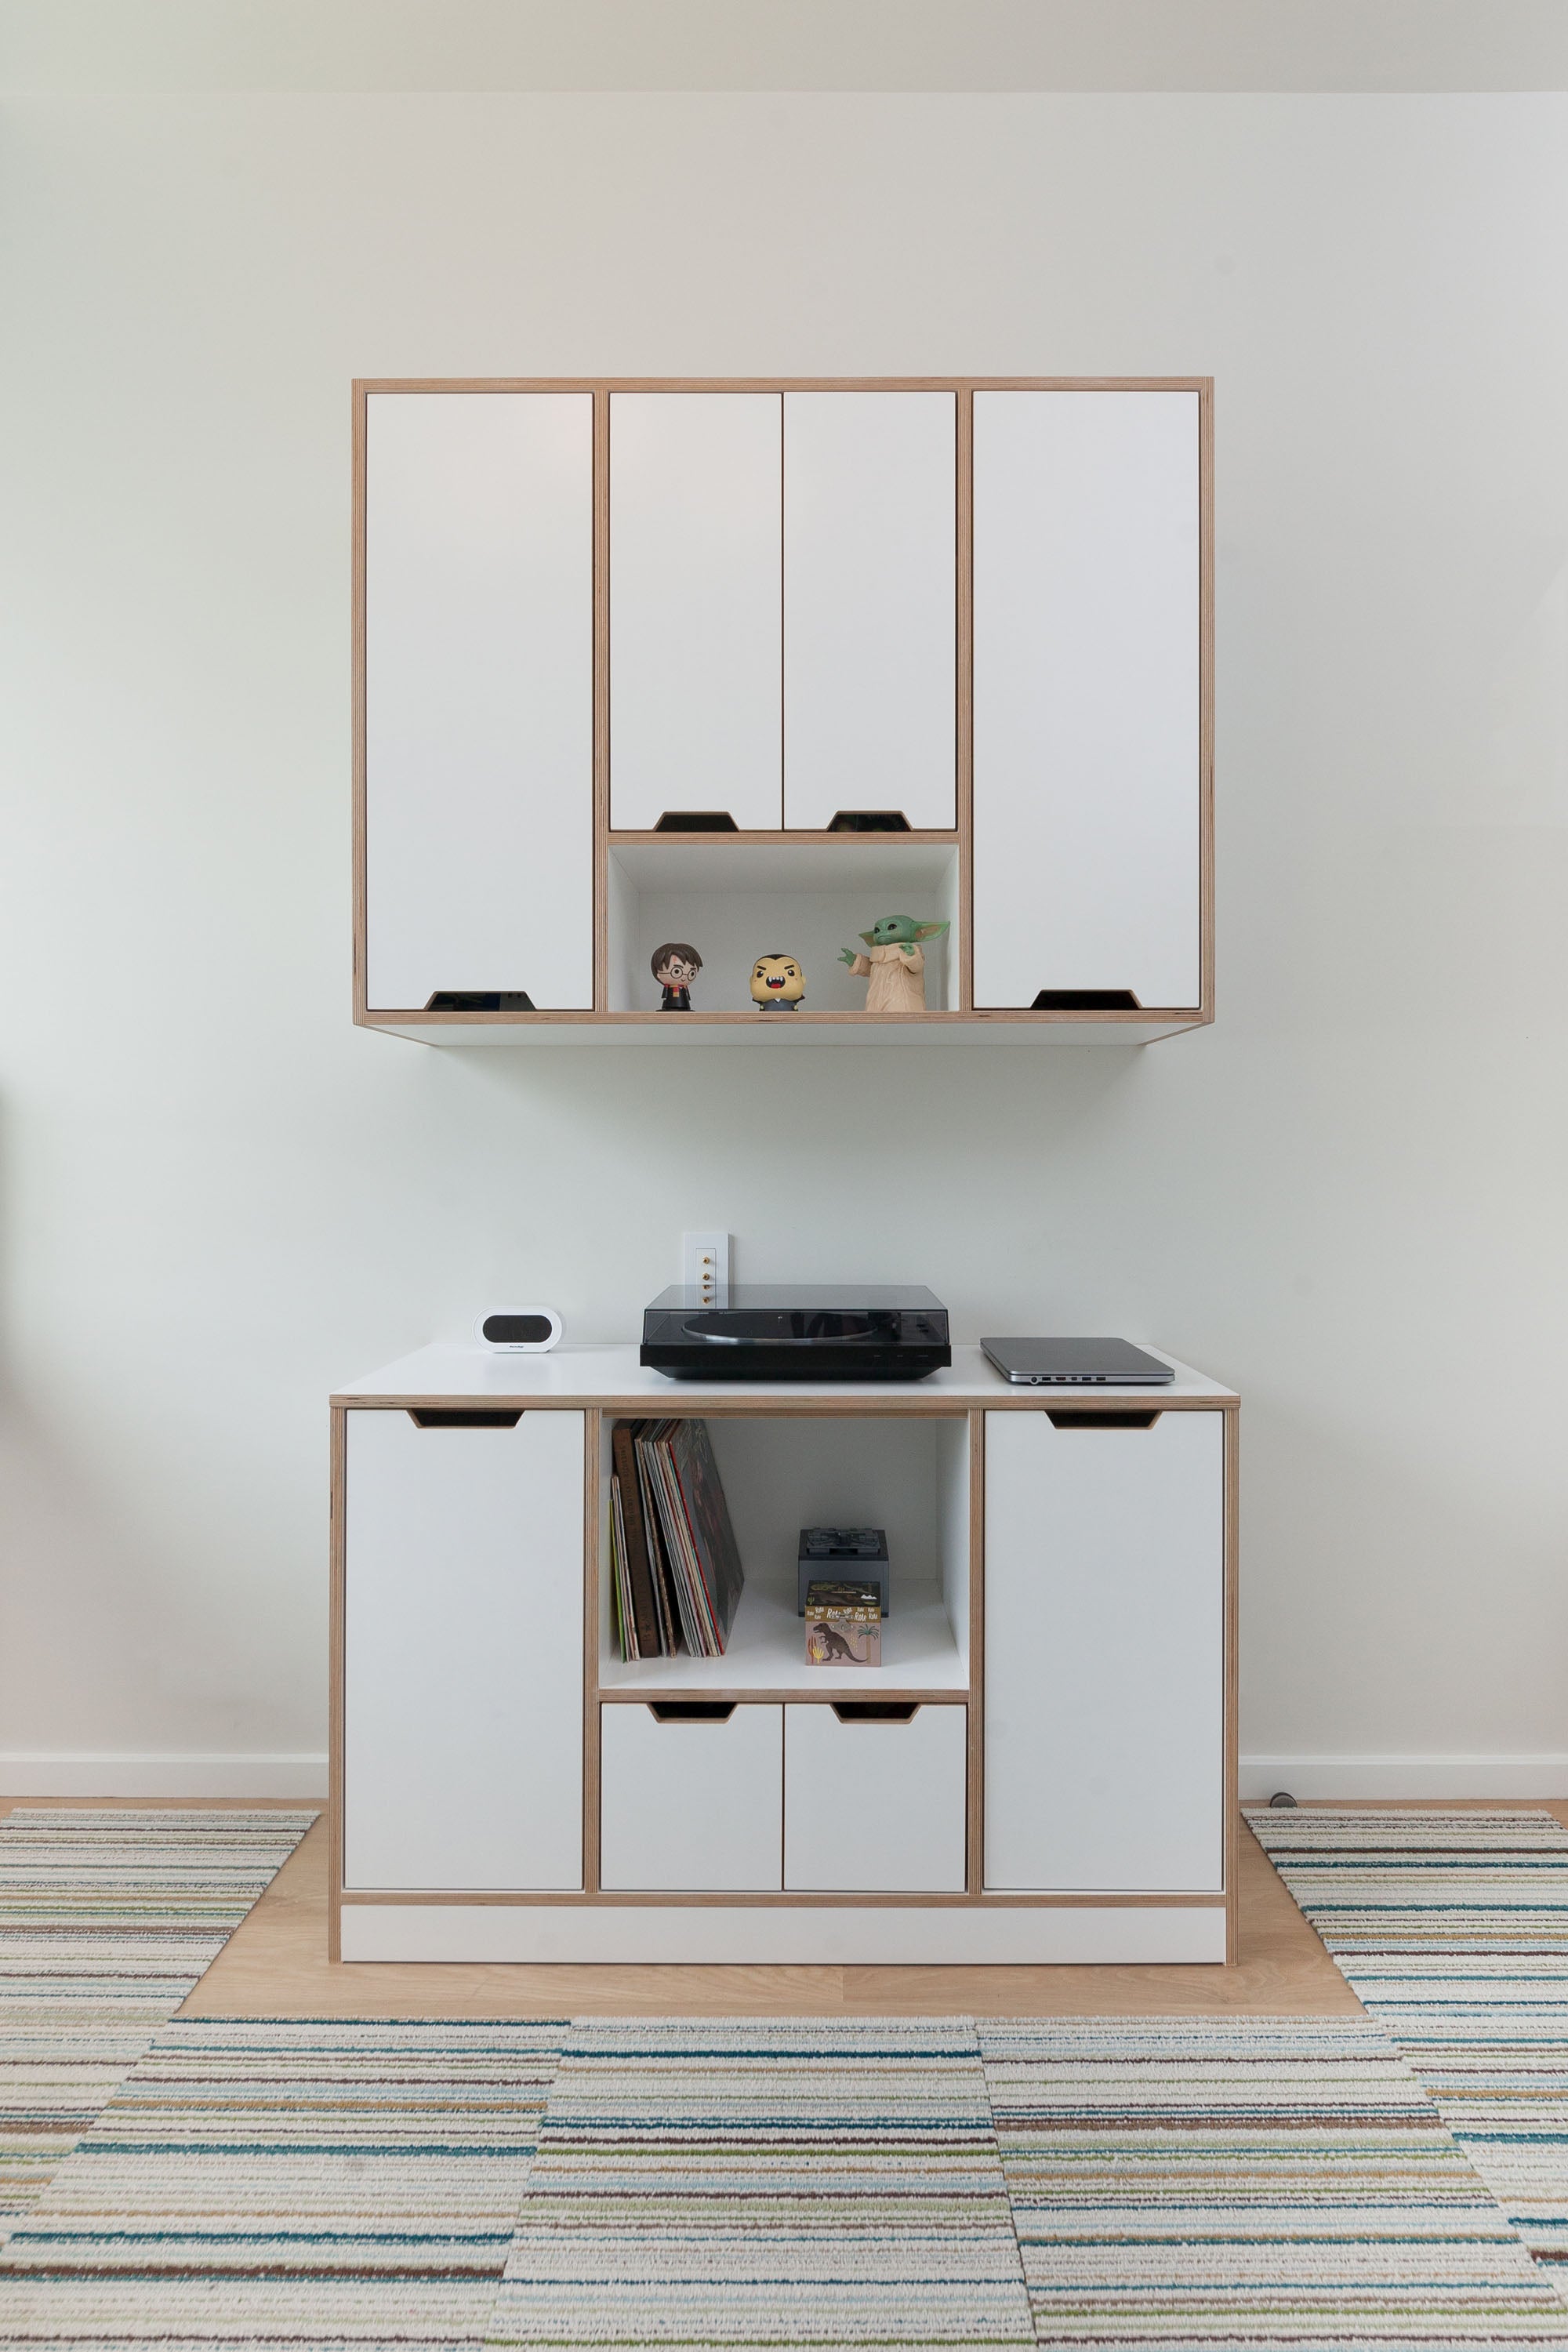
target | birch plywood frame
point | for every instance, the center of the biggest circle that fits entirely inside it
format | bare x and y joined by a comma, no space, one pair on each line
598,1409
963,1021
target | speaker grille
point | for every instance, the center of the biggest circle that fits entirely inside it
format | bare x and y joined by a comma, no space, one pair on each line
516,1330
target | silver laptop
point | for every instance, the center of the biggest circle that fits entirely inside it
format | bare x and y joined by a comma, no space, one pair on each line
1075,1363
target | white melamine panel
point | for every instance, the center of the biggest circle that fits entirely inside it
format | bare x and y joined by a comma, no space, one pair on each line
696,690
463,1653
1104,1655
874,1808
691,1805
940,1935
478,696
870,644
1087,782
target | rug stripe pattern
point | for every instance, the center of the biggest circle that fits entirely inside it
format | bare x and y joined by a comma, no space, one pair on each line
107,1920
1452,1929
1223,2183
742,2183
268,2182
752,2183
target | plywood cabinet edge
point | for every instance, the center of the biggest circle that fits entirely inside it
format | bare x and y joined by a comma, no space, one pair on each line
357,573
1232,1472
1205,699
335,1760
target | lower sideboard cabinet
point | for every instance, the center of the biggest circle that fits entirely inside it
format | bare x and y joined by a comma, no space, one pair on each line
1042,1770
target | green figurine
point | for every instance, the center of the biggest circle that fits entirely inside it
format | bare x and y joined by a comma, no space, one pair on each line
895,963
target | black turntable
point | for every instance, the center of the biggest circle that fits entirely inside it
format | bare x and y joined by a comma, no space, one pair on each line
797,1332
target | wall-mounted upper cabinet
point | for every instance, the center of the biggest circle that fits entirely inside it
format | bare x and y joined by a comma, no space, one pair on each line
1088,697
871,638
477,696
938,650
696,599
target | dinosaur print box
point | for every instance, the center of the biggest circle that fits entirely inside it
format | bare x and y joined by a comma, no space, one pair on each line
843,1625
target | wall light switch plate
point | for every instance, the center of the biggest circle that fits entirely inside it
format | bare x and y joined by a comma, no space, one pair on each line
705,1265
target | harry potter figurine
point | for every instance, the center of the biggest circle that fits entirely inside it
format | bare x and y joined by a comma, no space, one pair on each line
674,966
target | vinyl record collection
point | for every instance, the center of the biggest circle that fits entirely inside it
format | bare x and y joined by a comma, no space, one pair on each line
677,1572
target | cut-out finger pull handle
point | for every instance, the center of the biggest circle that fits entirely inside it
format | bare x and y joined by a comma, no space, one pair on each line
464,1416
1099,1418
876,1710
1086,999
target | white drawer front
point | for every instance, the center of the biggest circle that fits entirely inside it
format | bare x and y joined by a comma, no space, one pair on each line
696,605
1088,684
479,696
1105,1655
691,1804
875,1806
463,1653
869,625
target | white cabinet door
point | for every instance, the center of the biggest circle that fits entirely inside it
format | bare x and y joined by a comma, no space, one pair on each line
870,630
1105,1655
874,1805
1087,688
463,1653
478,696
691,1804
696,663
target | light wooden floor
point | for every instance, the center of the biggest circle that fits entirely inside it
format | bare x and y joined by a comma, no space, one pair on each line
275,1965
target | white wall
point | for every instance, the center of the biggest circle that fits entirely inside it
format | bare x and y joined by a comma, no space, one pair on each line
219,1198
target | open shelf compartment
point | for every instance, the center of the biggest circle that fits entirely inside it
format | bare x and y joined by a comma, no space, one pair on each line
908,1473
734,901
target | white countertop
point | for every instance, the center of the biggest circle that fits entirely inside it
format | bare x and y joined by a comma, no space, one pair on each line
597,1375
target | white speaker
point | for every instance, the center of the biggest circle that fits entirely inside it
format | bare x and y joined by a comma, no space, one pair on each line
519,1330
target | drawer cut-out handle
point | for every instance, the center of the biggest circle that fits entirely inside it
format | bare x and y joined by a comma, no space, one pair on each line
691,1710
462,1416
1086,999
871,821
1097,1418
697,821
876,1710
481,1000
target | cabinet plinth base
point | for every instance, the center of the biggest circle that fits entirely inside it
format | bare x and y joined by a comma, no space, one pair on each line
954,1935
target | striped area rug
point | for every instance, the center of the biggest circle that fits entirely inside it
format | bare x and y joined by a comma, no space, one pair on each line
753,2182
1213,2183
107,1920
1452,1929
1179,2183
267,2183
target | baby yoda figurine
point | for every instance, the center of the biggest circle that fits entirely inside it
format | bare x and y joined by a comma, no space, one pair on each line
895,963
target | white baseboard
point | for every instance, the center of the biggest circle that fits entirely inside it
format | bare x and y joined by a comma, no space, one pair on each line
40,1774
1351,1777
